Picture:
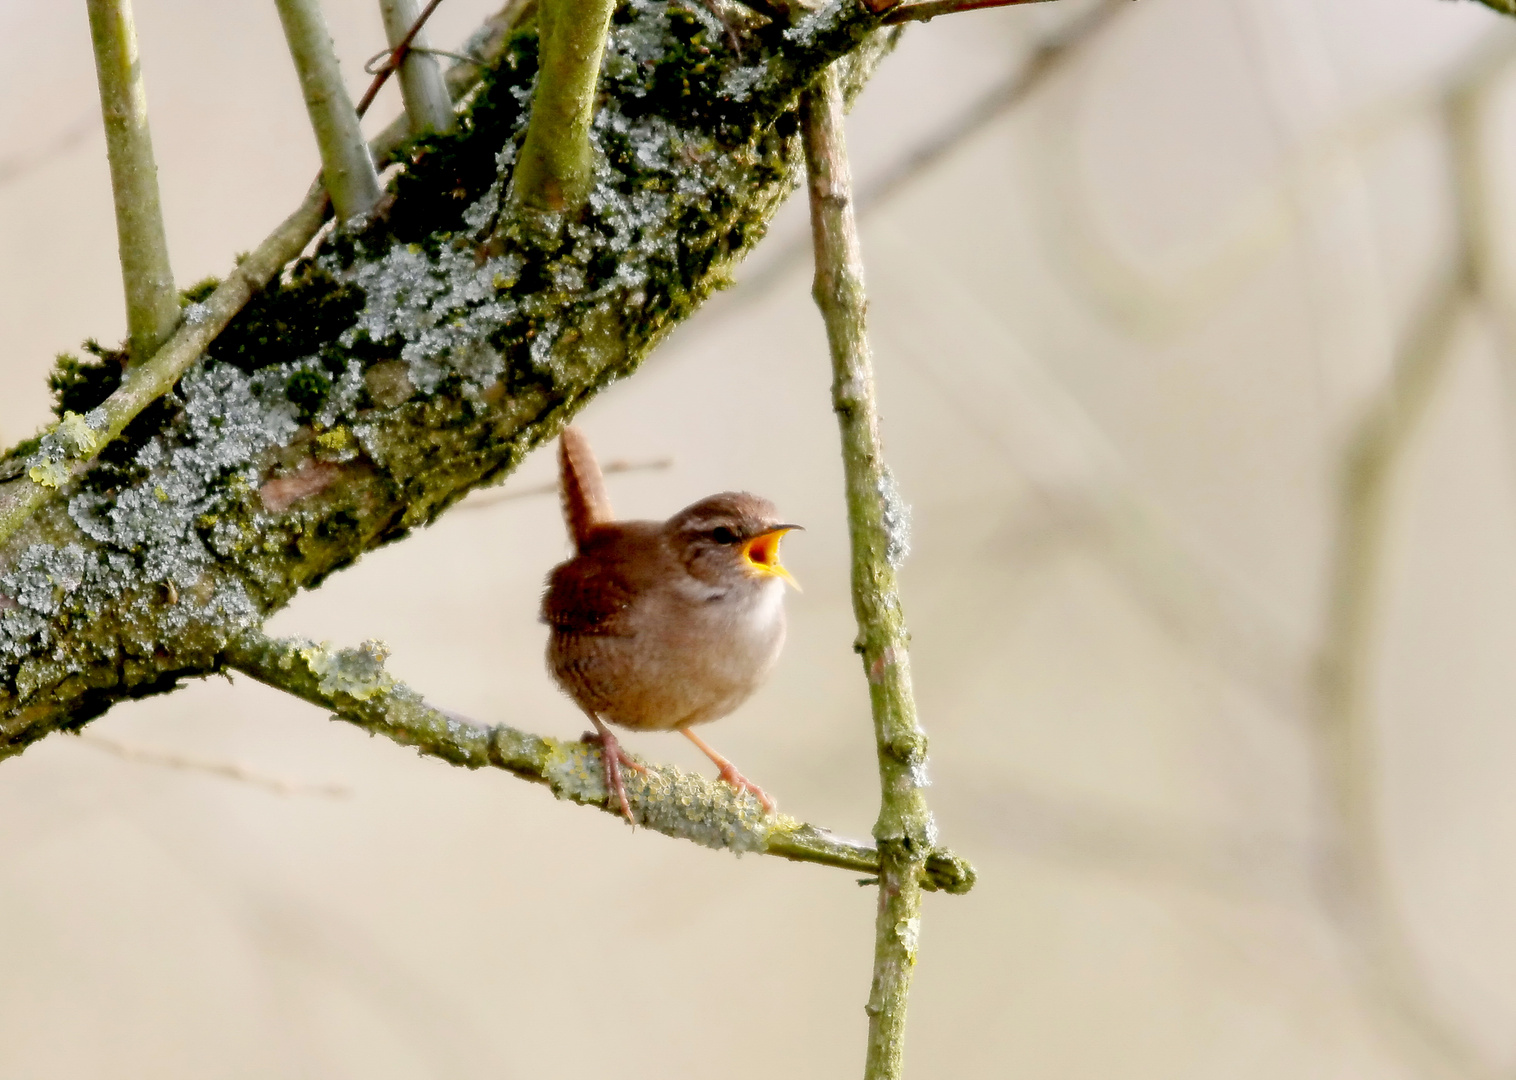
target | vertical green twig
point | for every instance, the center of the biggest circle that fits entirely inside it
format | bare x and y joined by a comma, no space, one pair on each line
905,831
152,305
557,166
422,87
345,162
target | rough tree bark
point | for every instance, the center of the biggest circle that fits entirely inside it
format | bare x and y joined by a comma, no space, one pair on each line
372,384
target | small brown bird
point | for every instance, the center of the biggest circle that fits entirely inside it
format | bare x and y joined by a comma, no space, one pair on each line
661,625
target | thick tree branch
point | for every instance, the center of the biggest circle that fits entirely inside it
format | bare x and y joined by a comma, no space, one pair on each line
354,684
152,305
877,527
68,449
346,167
372,385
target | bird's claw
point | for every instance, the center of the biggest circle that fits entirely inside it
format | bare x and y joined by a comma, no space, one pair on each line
730,774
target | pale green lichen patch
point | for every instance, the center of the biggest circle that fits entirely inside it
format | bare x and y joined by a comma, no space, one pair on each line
72,439
357,673
666,799
692,807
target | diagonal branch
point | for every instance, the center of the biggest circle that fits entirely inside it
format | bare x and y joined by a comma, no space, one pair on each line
877,527
68,450
376,382
354,684
152,305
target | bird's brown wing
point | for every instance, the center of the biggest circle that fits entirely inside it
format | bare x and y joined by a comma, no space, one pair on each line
586,503
588,596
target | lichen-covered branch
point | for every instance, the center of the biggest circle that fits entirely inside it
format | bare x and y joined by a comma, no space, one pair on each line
427,102
64,452
71,446
877,528
371,385
356,687
152,304
557,166
346,167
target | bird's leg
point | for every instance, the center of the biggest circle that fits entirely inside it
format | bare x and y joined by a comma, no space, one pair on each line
728,771
612,757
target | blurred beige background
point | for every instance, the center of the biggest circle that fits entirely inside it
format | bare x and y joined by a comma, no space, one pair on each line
1123,334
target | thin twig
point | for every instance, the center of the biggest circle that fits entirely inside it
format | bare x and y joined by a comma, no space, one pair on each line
422,88
346,165
230,770
930,9
488,43
397,54
152,304
905,831
485,500
556,168
355,686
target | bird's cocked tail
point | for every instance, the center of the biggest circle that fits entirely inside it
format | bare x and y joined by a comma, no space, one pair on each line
585,501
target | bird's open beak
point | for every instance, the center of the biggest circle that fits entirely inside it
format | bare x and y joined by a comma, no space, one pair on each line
762,553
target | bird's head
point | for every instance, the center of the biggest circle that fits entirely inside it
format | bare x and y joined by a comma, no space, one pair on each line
730,539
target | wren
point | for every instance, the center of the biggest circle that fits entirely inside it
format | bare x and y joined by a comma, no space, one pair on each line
662,625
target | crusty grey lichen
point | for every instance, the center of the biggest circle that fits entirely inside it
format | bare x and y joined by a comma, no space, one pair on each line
376,383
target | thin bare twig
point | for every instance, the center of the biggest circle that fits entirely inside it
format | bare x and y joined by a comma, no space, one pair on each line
930,9
152,304
229,770
905,831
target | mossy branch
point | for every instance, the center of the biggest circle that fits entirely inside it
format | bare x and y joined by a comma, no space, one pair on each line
152,304
905,831
347,169
69,457
372,385
557,166
72,445
356,687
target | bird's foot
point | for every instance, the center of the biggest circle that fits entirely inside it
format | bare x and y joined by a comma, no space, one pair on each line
612,757
730,774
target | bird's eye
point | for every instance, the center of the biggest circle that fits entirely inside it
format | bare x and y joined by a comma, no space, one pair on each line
722,535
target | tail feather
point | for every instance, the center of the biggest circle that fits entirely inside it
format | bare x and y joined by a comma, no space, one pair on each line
585,501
